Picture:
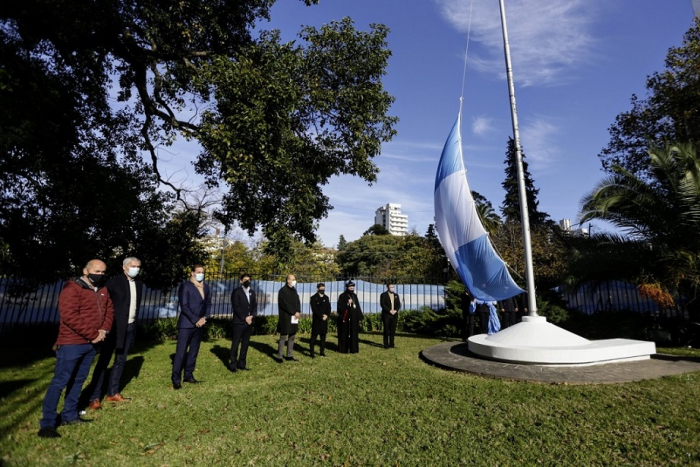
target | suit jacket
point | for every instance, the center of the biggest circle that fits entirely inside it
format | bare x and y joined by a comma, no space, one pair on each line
385,302
508,305
289,304
192,305
243,308
120,292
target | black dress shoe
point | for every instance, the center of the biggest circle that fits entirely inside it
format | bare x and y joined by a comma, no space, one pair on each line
279,359
177,386
77,421
192,381
312,355
322,354
232,368
244,368
48,432
291,359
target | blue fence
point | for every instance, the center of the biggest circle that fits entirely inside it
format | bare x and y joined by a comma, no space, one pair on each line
41,306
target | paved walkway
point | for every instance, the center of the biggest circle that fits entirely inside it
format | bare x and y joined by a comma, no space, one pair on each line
457,357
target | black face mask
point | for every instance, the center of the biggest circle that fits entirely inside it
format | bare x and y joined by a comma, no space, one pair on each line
246,284
322,291
96,279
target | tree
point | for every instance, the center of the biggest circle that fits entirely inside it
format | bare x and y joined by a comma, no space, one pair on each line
489,219
659,215
342,243
670,112
410,256
294,113
511,203
376,229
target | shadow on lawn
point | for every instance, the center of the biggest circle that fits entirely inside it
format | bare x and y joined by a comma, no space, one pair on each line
222,353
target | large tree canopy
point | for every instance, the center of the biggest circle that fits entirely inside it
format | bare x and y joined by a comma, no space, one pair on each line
670,112
96,85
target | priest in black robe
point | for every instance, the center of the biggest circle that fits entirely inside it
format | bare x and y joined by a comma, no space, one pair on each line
349,317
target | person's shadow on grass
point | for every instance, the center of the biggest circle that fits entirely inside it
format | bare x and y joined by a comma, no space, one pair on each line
370,343
222,353
265,349
132,369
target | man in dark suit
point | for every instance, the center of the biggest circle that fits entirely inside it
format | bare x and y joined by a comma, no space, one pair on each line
245,309
195,306
508,307
391,304
125,291
321,311
289,314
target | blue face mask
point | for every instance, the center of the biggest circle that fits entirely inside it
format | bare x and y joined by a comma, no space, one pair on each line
199,277
133,272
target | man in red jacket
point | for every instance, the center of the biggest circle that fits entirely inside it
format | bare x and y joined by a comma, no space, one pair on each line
86,313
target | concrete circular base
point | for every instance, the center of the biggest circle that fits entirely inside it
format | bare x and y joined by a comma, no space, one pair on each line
455,356
535,341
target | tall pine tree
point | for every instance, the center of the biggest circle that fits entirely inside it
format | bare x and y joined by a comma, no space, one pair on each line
511,204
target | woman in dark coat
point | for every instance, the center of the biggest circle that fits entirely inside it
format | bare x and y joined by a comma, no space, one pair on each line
349,317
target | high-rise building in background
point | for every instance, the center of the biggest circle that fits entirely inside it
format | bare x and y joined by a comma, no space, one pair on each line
391,218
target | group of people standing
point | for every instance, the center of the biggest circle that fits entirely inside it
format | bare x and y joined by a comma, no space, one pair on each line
487,313
98,316
348,319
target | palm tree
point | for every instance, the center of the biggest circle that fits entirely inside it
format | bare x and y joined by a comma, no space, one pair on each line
489,219
659,215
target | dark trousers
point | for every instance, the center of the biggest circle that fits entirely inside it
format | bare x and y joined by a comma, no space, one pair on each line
241,337
314,335
186,338
507,319
389,322
483,322
468,323
72,368
98,374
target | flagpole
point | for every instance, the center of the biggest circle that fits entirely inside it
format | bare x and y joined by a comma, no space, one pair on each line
525,220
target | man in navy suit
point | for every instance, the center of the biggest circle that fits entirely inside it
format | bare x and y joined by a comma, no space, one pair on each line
245,309
125,291
195,306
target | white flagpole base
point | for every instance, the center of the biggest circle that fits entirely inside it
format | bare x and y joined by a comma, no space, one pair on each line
534,341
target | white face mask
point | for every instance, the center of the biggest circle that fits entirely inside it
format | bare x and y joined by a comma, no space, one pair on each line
293,284
133,272
199,277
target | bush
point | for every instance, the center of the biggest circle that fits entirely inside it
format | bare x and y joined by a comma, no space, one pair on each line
554,313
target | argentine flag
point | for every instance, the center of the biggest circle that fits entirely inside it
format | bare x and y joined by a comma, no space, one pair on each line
462,236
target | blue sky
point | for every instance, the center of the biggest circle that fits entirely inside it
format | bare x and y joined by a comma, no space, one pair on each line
576,63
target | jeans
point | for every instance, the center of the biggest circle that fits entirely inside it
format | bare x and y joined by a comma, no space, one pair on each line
72,368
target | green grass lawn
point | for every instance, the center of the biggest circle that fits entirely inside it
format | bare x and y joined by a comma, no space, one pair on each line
378,407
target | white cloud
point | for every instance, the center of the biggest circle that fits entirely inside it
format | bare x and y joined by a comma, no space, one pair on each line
546,38
482,125
538,141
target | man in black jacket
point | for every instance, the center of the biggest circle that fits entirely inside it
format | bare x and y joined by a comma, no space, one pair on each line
125,291
321,311
391,304
289,313
245,309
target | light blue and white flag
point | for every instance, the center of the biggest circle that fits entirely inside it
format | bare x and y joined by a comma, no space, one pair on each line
464,239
